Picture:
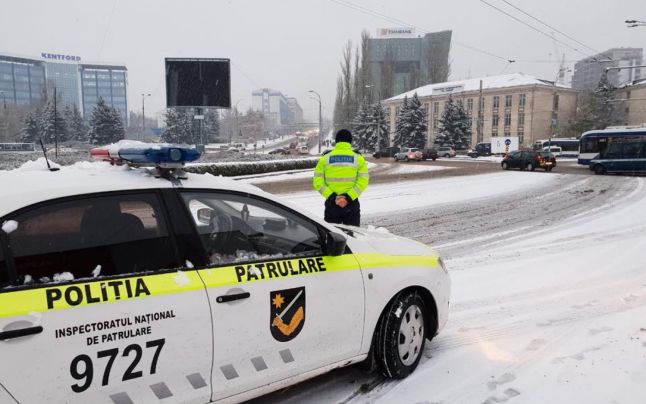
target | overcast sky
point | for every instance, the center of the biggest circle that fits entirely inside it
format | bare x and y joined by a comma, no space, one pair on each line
294,46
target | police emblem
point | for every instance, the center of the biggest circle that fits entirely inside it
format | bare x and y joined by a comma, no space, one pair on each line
286,313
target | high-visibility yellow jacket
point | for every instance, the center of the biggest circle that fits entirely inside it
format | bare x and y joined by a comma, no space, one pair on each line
342,172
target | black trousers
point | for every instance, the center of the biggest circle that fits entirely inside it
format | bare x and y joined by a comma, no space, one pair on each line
350,215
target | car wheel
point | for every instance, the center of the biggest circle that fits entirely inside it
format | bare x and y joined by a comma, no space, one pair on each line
549,168
530,167
401,335
504,165
434,159
599,169
406,159
447,155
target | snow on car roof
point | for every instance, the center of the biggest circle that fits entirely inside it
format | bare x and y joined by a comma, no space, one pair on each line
33,182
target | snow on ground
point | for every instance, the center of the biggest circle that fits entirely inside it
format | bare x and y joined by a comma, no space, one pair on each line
556,314
404,168
400,196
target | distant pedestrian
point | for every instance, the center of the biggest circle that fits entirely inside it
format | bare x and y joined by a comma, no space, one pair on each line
340,176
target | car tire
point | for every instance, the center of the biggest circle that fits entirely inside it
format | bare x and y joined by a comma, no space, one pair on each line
530,167
549,169
600,169
406,159
401,335
447,155
504,165
434,159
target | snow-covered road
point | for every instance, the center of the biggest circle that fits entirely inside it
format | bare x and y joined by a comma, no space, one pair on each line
549,291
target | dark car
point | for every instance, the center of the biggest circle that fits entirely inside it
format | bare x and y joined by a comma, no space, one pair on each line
429,154
529,160
387,152
280,150
481,149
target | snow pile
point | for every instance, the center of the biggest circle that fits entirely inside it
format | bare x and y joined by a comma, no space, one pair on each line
39,164
63,277
96,272
9,226
181,279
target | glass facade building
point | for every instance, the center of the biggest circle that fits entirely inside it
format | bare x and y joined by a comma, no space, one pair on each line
107,82
22,81
25,81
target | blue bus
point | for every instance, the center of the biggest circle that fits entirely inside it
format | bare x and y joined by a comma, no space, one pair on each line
594,142
623,152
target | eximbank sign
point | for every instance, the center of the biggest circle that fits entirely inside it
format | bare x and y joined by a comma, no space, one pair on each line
58,56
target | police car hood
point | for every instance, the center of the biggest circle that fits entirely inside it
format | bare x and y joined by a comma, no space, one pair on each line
379,239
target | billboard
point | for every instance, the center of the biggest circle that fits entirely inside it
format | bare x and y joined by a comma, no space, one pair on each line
398,32
198,83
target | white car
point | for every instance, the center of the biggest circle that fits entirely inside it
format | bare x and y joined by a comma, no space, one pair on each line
121,285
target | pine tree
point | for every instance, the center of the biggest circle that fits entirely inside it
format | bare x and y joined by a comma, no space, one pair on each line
402,125
418,122
179,126
605,111
31,130
76,126
360,127
455,129
52,123
377,131
105,124
211,126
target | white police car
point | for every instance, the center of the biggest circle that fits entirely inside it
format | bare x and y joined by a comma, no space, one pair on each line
118,285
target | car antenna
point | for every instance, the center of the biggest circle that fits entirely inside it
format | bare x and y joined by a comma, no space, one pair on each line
50,168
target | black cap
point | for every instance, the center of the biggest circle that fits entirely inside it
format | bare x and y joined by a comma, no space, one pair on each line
343,135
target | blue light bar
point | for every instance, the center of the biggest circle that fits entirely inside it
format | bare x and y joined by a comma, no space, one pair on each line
159,155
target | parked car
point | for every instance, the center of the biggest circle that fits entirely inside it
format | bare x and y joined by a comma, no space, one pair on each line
408,154
280,150
387,152
529,160
481,149
446,151
429,154
303,150
555,150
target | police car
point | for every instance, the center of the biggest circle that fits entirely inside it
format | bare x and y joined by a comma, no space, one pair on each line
139,285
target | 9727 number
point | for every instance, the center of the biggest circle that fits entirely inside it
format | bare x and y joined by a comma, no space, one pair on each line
85,374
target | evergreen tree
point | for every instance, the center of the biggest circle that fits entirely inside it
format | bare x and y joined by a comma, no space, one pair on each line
76,126
105,124
360,127
455,129
418,122
211,126
338,105
402,125
179,126
31,130
52,123
377,130
605,111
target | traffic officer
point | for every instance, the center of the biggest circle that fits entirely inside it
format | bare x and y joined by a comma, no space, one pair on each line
340,177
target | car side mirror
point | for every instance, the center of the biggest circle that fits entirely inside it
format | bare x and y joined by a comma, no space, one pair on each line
204,215
335,244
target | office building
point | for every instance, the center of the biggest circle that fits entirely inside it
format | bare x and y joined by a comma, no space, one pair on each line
28,81
633,107
588,71
276,107
400,61
510,105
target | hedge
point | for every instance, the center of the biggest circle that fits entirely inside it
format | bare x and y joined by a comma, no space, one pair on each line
252,167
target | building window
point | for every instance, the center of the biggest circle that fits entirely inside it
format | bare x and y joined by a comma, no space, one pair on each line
435,125
521,119
507,101
521,100
494,134
521,137
628,95
495,121
507,132
470,105
507,119
627,111
496,101
436,107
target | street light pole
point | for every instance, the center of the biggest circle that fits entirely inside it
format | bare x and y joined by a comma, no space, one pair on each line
320,117
237,129
143,115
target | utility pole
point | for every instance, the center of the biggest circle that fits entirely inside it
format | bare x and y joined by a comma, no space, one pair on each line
55,126
320,117
480,114
143,115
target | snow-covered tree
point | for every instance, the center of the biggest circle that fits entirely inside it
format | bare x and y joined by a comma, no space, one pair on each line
418,123
52,123
377,130
76,126
211,126
31,130
360,127
454,126
105,124
402,125
606,113
179,126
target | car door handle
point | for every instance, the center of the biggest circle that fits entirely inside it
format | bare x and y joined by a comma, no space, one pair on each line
22,332
232,297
